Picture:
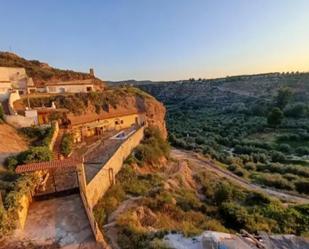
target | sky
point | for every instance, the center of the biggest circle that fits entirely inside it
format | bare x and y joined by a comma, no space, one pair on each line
159,39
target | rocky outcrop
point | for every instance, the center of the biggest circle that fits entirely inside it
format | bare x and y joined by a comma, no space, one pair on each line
131,102
155,113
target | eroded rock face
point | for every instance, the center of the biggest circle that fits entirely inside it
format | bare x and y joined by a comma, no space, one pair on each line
155,111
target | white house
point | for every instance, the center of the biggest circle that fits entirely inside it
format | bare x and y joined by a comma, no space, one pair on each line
5,87
74,86
13,78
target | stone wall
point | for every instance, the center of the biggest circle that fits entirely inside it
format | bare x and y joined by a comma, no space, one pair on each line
14,96
19,121
23,210
54,137
97,187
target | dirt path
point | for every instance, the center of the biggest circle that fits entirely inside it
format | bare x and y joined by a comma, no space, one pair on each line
198,160
110,229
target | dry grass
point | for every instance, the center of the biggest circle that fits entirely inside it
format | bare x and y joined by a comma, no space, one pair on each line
10,142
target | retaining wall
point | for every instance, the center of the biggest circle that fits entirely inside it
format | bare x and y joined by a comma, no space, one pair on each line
22,212
54,137
19,121
97,187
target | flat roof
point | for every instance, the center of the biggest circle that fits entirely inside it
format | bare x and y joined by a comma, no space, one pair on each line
72,82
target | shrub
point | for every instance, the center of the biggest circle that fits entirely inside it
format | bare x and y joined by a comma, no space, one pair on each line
188,200
108,203
275,117
223,193
284,148
277,156
250,166
257,198
234,215
297,110
302,151
24,185
274,180
302,186
11,162
35,155
66,146
152,148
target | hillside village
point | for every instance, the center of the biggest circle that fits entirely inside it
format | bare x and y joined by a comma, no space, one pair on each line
88,165
63,141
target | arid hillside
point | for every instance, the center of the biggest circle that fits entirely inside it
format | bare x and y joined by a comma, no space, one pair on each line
41,72
10,142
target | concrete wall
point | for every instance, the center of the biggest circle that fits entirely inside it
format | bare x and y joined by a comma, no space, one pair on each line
5,90
99,237
91,193
19,121
97,187
14,96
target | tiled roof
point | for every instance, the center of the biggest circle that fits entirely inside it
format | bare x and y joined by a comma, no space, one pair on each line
55,164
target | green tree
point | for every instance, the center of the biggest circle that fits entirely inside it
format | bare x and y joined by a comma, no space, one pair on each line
275,117
283,97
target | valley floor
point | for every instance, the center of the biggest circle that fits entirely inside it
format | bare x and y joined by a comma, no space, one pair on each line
197,160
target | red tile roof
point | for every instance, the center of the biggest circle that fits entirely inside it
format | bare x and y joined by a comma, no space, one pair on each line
55,164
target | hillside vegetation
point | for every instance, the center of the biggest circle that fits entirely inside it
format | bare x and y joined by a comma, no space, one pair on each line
257,126
41,72
155,195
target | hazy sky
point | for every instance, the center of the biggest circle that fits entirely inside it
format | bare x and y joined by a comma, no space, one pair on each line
160,39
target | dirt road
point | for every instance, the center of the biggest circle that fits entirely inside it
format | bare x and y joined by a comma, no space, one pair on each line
198,160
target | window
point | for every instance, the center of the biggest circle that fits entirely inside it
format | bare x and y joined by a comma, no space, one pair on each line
52,89
89,88
121,122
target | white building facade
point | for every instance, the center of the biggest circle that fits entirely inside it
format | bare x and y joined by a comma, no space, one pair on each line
70,86
13,78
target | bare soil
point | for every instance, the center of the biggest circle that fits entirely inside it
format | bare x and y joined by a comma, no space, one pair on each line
11,142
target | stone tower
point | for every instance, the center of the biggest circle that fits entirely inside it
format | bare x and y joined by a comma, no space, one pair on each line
91,72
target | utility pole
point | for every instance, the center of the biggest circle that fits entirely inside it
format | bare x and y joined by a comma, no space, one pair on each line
28,100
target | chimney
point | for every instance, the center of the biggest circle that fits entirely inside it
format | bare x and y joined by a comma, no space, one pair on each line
91,72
